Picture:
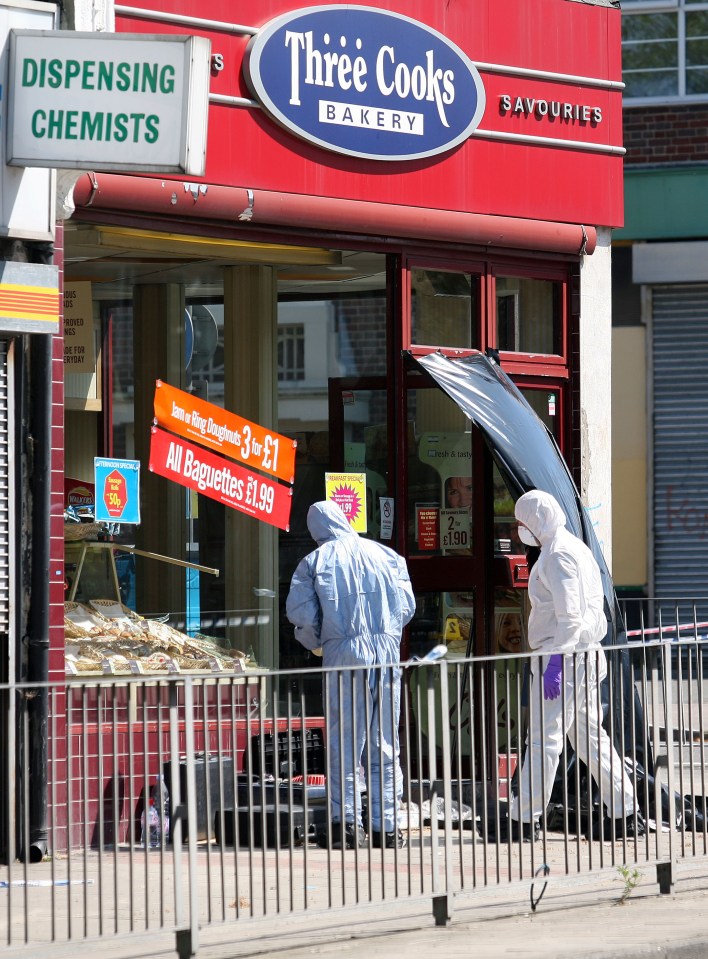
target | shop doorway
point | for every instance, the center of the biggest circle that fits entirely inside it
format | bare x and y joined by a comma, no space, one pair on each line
451,494
435,491
453,521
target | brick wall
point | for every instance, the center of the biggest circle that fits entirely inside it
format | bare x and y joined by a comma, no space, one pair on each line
666,135
363,348
362,339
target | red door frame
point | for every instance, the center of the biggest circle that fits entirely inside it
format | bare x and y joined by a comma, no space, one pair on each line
550,372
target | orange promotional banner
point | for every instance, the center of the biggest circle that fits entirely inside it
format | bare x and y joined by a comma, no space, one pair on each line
224,432
218,478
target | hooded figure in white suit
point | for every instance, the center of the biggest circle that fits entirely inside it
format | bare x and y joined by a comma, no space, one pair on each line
351,598
567,616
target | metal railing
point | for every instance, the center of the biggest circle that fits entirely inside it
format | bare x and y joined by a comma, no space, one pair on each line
249,772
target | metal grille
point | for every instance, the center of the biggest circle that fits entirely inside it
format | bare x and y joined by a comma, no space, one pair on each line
184,806
680,428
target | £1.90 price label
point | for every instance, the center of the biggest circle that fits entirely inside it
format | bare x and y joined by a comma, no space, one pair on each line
454,529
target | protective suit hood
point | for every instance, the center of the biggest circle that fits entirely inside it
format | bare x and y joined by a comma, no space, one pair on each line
540,512
326,521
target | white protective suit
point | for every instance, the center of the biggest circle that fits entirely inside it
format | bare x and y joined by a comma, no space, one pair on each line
352,597
567,616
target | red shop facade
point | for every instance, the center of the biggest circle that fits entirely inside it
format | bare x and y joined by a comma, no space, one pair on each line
380,184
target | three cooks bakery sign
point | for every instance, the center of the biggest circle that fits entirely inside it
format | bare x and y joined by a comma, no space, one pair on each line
365,82
216,476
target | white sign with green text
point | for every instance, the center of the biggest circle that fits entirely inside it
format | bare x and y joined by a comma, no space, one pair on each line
96,101
26,194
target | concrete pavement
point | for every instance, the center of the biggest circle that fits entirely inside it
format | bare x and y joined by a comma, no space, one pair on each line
575,919
254,902
583,917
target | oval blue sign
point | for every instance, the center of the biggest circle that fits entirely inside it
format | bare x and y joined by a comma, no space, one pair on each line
365,82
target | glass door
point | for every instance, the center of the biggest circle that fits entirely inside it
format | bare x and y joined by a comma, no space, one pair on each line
449,505
359,437
468,566
445,540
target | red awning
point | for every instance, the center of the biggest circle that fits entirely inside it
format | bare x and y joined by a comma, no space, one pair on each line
200,201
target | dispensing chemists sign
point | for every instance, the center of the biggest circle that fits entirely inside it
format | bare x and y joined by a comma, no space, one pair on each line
214,476
108,101
365,82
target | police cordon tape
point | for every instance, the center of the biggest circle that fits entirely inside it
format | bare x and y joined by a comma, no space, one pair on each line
653,630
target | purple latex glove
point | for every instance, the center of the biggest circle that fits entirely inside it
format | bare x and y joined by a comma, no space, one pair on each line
552,677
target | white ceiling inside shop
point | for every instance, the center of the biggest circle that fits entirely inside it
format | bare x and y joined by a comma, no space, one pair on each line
115,259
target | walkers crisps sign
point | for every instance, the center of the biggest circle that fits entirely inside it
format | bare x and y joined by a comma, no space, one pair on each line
105,102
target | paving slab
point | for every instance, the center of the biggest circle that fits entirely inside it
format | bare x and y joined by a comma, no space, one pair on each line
617,913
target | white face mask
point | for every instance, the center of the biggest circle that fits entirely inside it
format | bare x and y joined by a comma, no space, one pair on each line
527,537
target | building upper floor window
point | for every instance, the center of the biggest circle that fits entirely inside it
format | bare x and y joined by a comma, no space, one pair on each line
291,352
664,50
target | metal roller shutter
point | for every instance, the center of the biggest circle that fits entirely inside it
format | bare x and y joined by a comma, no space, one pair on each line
680,431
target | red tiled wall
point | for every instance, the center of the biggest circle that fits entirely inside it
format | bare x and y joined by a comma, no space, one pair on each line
669,134
56,529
